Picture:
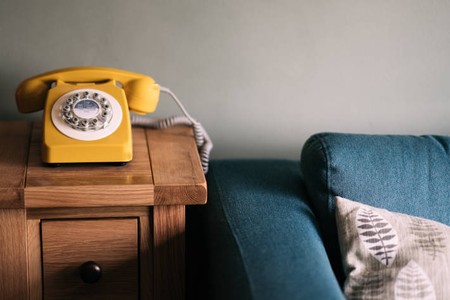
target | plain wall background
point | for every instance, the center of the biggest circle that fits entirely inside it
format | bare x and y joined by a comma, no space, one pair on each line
261,76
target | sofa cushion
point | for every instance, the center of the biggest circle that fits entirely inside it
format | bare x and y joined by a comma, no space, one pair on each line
390,255
260,238
407,174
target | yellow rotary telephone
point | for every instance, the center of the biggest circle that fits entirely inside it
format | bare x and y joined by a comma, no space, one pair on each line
86,111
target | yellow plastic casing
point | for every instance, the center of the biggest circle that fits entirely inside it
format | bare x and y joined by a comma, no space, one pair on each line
138,93
59,148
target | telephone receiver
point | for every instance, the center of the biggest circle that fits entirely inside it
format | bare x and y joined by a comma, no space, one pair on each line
142,92
86,112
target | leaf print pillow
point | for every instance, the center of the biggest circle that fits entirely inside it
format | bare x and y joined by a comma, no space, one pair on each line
390,255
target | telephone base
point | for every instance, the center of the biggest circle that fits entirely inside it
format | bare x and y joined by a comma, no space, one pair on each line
115,149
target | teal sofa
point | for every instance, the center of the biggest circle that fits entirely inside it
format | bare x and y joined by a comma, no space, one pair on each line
269,230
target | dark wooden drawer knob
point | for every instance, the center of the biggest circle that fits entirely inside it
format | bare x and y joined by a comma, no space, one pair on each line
90,272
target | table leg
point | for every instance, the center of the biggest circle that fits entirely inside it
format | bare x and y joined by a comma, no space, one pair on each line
169,251
13,254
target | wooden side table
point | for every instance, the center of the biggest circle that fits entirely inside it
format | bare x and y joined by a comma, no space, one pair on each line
93,231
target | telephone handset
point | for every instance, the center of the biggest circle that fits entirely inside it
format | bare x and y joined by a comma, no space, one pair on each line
86,111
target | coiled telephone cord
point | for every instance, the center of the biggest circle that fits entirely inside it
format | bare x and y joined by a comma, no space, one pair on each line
202,139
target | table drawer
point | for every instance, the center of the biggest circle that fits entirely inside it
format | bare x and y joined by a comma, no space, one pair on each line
108,246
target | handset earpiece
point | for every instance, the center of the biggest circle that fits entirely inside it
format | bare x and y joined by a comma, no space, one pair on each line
31,94
142,94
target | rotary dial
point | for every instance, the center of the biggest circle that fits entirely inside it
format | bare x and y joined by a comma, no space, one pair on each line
86,111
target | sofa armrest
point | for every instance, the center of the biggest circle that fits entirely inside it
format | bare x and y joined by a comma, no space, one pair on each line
257,237
401,173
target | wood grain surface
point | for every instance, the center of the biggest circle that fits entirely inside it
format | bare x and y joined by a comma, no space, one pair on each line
165,170
13,254
144,215
177,173
111,243
169,252
130,219
87,185
146,257
34,259
14,141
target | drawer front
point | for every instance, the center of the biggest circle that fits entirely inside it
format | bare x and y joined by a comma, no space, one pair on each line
108,246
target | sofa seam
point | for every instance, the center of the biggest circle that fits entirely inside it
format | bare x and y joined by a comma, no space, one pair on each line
327,156
235,238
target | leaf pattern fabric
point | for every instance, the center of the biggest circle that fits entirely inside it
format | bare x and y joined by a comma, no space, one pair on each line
377,235
428,237
413,283
389,255
368,286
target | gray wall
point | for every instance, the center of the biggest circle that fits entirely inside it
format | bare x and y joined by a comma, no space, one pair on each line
261,76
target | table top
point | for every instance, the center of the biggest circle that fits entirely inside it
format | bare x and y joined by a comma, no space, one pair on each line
165,170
